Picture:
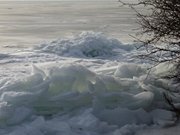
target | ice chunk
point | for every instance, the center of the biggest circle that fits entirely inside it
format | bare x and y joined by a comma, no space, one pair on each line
19,115
34,128
56,126
36,70
129,70
143,99
123,108
85,121
163,117
128,129
70,77
124,116
25,84
111,100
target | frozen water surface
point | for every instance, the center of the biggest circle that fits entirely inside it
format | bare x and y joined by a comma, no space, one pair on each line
77,84
29,23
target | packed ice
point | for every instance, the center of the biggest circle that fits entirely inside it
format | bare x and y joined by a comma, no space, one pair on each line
86,85
86,44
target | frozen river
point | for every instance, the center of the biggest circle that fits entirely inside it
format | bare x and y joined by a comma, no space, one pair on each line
24,24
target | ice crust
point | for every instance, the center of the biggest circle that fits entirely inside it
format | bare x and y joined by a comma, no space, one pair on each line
80,96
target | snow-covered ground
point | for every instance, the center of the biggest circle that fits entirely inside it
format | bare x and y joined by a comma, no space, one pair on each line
82,83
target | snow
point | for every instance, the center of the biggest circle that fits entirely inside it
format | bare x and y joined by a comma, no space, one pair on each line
85,85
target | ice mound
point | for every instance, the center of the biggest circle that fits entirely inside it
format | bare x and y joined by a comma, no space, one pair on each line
87,44
71,99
